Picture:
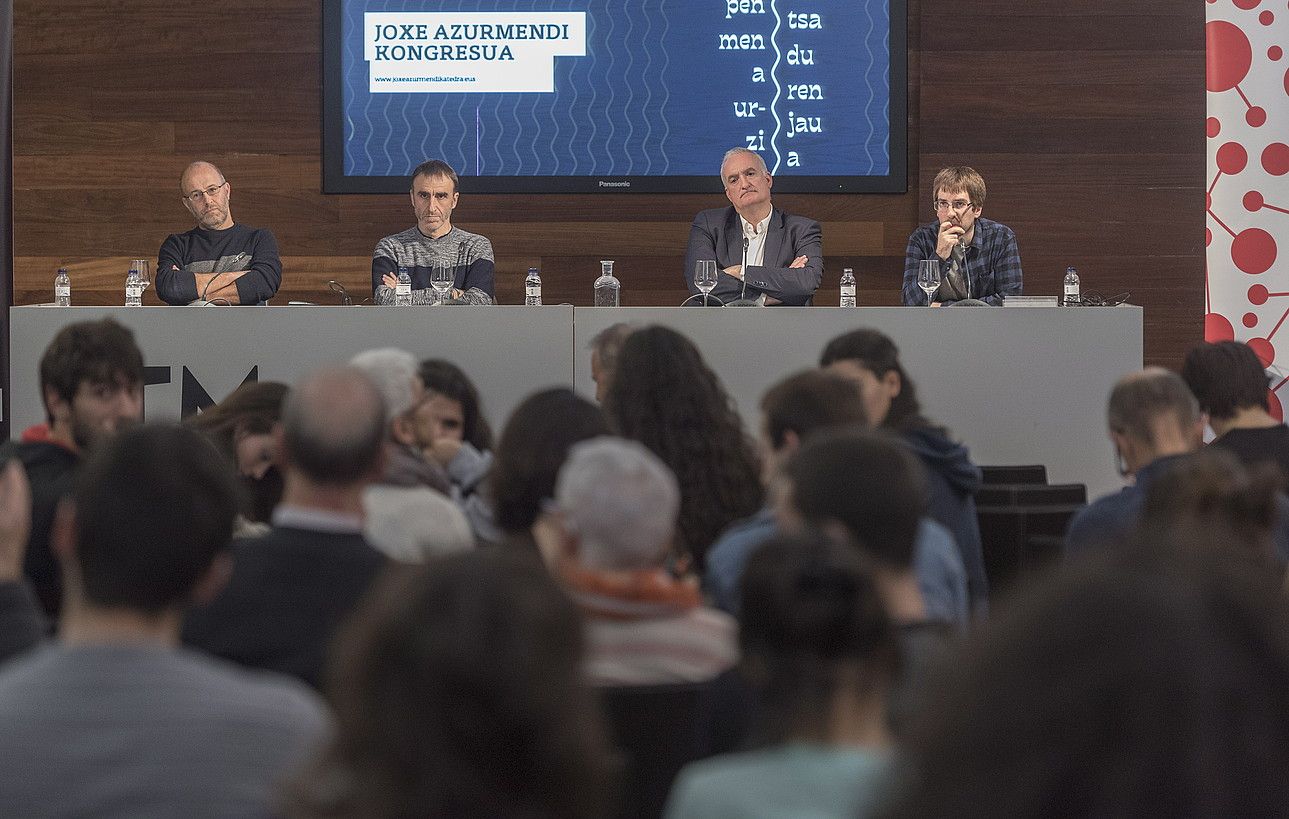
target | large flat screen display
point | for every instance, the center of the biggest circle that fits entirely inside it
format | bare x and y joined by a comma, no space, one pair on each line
614,95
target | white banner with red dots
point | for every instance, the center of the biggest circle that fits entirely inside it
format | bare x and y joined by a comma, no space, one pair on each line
1247,235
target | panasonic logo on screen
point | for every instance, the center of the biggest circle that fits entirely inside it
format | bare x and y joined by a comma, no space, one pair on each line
604,183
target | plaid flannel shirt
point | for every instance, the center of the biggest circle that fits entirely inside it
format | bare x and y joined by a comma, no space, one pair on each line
993,262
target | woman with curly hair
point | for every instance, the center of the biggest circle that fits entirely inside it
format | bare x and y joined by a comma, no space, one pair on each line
666,397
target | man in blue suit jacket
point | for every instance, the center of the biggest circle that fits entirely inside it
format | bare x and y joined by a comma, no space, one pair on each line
785,258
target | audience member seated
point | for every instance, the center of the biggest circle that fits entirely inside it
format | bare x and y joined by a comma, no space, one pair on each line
1230,383
408,513
91,382
874,488
22,623
531,450
451,430
792,411
605,348
822,653
241,426
617,505
114,718
1153,419
458,693
1125,685
666,397
1211,491
872,360
291,588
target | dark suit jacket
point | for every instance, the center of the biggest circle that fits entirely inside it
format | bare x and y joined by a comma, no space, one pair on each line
718,234
289,591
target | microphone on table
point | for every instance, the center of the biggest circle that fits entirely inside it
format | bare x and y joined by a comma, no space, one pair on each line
743,300
339,289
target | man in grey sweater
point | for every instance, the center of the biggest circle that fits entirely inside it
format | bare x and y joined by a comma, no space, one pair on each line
114,718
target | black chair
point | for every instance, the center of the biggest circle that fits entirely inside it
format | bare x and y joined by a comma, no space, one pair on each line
1031,494
1035,473
1020,539
657,730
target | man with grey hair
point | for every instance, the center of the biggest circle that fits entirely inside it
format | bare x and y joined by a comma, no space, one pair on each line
783,253
617,504
217,261
291,589
409,515
1153,419
604,356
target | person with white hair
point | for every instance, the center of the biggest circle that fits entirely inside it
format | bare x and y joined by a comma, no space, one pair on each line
783,252
408,513
616,503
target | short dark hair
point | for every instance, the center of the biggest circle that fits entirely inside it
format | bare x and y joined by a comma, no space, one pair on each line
532,448
1209,496
334,444
97,352
1116,686
869,482
450,381
1226,376
877,353
1138,399
435,167
809,401
810,604
154,505
459,691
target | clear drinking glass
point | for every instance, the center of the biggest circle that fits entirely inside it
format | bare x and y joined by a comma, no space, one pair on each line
142,266
441,280
929,277
705,276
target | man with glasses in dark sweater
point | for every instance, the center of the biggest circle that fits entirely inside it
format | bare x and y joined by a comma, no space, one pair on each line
218,261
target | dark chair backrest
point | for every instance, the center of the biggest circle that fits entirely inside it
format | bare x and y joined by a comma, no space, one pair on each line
657,730
1019,539
1035,473
1031,494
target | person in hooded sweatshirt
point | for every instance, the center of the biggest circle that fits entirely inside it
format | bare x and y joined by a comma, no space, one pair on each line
872,360
91,383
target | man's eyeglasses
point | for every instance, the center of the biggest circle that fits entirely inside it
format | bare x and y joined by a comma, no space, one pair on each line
941,204
196,196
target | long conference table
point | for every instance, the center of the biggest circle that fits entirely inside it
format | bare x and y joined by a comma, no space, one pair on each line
1017,385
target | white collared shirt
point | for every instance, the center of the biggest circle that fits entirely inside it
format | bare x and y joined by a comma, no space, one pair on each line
317,520
755,235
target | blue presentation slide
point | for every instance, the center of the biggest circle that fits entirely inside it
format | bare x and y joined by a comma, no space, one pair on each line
610,88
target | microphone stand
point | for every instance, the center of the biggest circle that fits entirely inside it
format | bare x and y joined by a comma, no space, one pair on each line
743,300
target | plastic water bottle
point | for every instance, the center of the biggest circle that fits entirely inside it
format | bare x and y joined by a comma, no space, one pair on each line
63,288
847,287
1071,287
608,290
133,288
403,292
532,288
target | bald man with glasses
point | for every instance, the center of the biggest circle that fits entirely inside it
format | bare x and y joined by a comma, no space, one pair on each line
218,261
978,258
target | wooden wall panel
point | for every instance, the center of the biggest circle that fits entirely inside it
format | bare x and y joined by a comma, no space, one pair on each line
1087,132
